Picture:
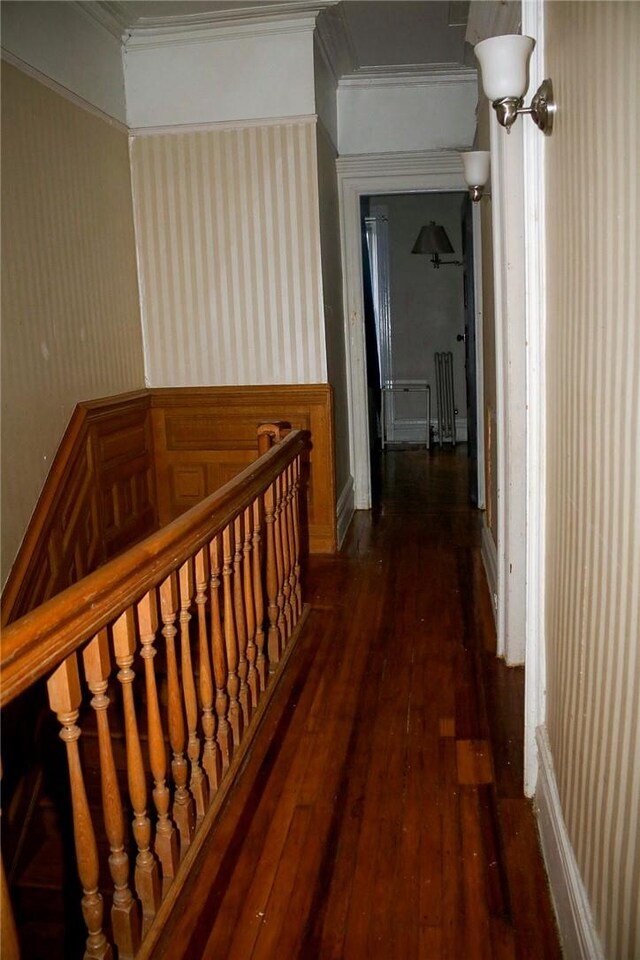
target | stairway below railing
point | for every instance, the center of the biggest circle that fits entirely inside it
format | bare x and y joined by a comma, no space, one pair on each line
171,645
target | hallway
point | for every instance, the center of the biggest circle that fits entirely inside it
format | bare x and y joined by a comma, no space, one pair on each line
380,813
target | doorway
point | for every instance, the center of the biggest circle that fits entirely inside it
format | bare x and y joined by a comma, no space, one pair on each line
414,311
386,174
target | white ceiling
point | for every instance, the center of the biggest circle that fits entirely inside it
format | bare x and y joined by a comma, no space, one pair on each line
383,35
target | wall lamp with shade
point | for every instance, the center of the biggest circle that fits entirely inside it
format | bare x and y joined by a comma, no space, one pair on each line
476,171
504,62
433,240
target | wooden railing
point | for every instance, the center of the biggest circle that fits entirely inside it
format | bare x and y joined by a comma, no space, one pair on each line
173,642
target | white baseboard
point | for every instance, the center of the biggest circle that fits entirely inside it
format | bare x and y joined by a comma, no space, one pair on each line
490,561
344,510
573,911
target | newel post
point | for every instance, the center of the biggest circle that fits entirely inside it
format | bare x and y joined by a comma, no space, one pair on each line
270,433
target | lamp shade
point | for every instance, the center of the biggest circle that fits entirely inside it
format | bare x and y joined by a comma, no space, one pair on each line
476,167
504,62
432,239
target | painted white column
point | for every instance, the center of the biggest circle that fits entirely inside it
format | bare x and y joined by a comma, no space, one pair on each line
508,232
535,309
476,215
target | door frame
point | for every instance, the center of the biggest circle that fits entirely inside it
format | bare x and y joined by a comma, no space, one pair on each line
534,175
476,223
428,171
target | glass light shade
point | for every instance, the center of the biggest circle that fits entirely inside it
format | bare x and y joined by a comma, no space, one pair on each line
504,62
476,167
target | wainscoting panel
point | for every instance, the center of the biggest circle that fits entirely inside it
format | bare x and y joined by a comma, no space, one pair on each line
204,436
98,499
131,463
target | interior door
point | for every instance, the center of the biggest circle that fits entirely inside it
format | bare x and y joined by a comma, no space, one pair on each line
469,337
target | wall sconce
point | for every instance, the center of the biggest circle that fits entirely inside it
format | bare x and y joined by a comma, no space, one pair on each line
433,240
504,62
476,171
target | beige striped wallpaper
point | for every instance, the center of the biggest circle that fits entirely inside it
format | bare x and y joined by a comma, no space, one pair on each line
70,314
229,255
593,490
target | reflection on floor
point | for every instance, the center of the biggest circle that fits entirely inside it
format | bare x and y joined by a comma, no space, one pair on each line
380,814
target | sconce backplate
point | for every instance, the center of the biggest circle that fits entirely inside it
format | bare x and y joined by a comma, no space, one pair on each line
543,107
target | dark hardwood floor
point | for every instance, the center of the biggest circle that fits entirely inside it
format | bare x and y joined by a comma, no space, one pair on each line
380,813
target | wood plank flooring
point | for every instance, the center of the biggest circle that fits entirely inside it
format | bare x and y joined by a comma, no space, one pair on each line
380,813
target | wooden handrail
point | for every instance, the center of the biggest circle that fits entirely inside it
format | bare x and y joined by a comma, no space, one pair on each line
37,643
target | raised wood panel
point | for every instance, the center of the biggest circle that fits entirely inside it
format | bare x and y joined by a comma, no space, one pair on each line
204,436
124,475
98,499
130,463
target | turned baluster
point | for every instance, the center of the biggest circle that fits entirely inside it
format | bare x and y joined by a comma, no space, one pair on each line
273,640
233,682
211,753
183,812
296,532
219,658
197,784
241,624
293,602
147,880
64,699
277,527
125,917
250,613
258,596
286,554
166,841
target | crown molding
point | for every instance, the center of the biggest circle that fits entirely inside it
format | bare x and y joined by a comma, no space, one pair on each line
298,16
207,33
221,125
410,75
109,14
335,42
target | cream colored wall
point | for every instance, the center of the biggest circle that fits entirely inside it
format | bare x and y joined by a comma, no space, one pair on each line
332,301
593,453
229,255
70,316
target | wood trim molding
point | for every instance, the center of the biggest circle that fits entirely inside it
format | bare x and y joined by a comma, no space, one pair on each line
573,911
